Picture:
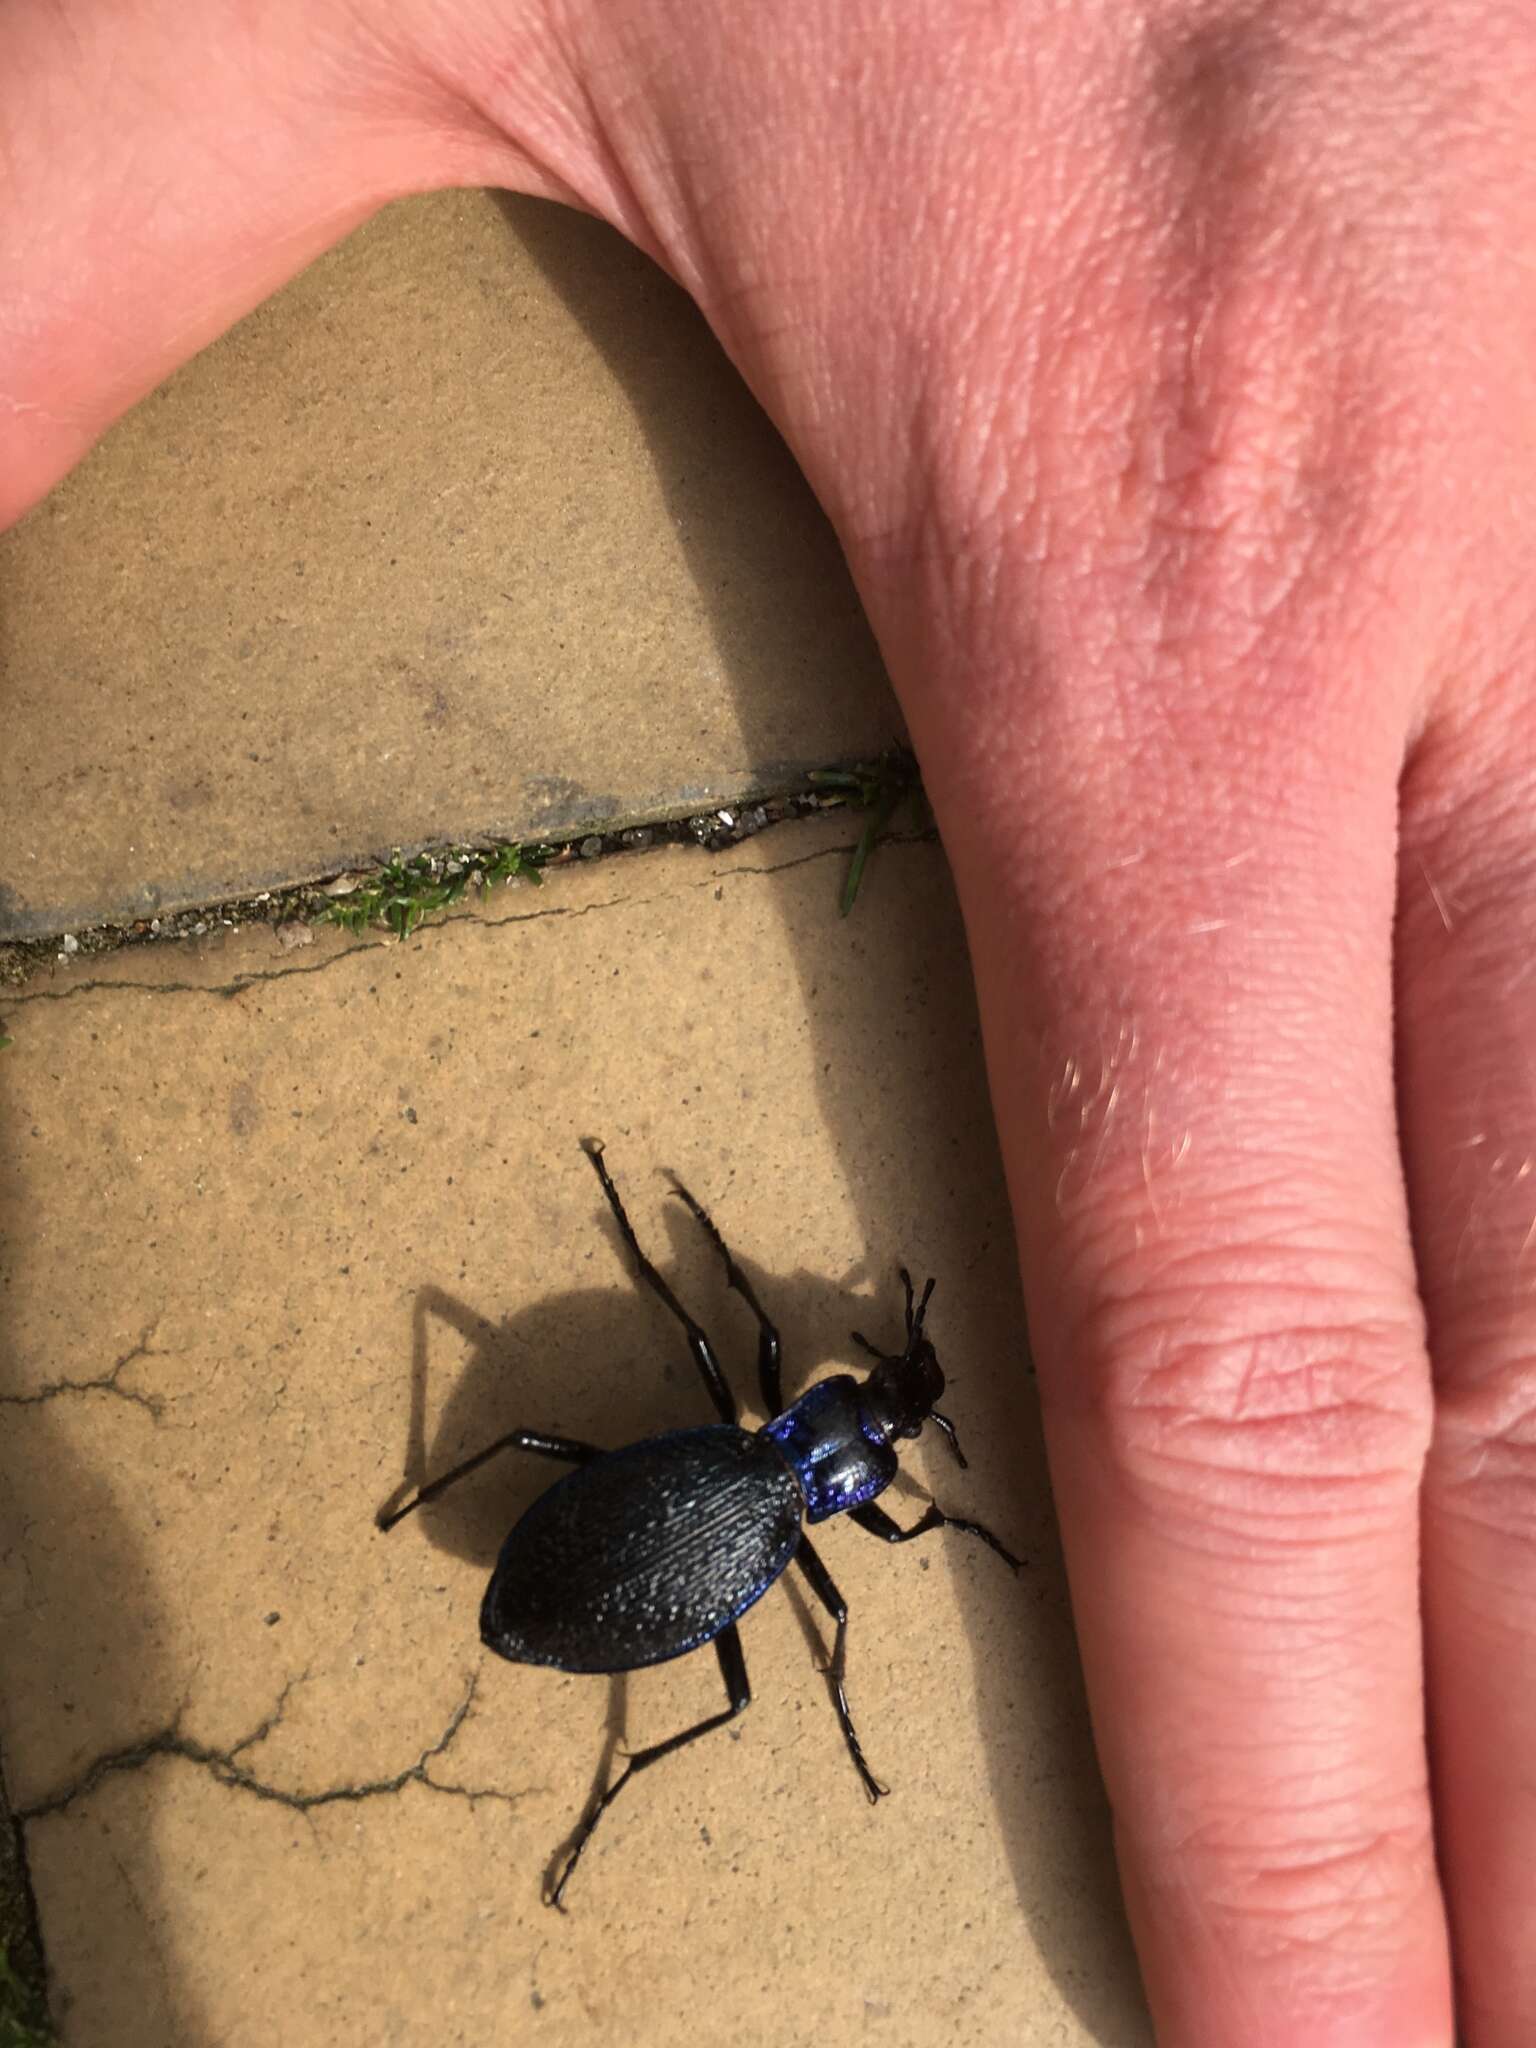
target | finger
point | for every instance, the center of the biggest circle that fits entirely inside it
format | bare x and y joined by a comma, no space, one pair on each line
159,179
1191,1056
1467,996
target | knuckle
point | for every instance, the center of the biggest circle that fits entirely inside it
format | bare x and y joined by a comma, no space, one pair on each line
1258,1398
1331,1880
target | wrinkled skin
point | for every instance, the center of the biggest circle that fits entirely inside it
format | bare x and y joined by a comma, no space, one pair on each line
1167,375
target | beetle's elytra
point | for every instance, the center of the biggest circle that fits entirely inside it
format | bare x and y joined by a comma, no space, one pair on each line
646,1553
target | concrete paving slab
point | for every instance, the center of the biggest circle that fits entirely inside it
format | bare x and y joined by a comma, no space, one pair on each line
472,531
283,1229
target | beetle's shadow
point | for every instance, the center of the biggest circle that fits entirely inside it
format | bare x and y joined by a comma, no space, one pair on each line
607,1366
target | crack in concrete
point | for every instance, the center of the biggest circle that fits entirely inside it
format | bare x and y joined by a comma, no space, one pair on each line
264,1728
221,1765
228,990
804,860
224,990
104,1383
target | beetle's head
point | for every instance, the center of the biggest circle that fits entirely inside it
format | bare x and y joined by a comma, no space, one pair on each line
899,1395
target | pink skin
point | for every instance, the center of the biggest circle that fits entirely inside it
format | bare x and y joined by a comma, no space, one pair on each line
1167,373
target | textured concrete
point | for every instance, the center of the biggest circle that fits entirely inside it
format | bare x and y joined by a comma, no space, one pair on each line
280,1229
471,531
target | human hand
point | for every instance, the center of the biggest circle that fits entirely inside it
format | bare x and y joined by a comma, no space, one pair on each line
1165,374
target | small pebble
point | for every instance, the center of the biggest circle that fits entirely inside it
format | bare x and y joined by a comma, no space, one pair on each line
70,943
591,847
295,933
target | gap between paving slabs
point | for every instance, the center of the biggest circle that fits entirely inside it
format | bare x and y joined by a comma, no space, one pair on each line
399,895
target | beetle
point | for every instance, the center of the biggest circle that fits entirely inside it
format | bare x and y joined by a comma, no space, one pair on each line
648,1552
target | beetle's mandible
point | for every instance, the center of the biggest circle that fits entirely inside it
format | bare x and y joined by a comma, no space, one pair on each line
646,1553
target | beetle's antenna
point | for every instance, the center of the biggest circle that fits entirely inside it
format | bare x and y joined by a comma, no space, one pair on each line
943,1422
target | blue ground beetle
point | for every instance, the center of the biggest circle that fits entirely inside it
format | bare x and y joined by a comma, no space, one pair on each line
646,1553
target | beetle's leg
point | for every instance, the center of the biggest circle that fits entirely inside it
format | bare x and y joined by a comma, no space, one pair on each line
698,1343
768,1372
915,1319
879,1523
820,1581
565,1448
733,1669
